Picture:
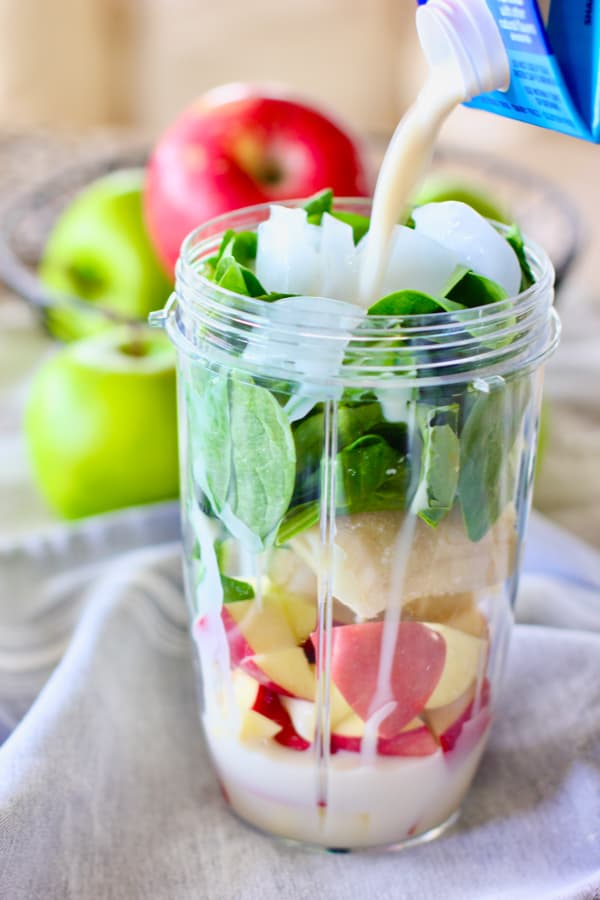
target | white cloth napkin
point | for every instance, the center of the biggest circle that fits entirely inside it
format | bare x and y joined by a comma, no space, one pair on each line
106,791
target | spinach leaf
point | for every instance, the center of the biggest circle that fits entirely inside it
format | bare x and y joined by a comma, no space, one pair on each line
361,468
272,296
244,247
226,244
395,433
210,434
318,204
354,420
213,261
515,239
370,475
412,303
232,276
474,290
393,492
263,461
244,454
438,479
359,224
241,245
485,484
459,273
298,519
234,589
323,203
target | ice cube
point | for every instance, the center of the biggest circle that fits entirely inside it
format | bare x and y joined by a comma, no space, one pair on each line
417,263
475,242
287,258
338,260
293,349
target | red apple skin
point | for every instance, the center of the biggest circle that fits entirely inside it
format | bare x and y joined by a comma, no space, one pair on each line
268,704
416,742
240,145
239,648
241,653
419,657
451,735
249,666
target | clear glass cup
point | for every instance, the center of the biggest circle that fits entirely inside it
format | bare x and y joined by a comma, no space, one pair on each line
355,493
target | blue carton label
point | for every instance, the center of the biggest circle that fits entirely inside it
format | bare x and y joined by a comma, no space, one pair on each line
554,52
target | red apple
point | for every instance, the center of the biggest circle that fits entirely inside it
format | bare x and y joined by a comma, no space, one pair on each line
239,145
418,660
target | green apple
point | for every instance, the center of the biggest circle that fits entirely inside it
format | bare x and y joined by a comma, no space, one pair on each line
98,250
439,188
101,423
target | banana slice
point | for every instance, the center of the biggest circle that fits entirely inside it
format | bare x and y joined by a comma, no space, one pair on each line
440,560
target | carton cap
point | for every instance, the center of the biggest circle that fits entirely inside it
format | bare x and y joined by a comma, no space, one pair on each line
463,34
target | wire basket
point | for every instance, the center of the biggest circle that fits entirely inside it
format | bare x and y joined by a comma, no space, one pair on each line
542,210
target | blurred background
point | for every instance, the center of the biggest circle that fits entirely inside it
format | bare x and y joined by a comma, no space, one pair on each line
83,77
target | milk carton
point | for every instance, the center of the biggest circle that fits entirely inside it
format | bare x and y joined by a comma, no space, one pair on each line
554,52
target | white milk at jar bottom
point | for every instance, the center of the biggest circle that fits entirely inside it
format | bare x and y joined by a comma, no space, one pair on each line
382,803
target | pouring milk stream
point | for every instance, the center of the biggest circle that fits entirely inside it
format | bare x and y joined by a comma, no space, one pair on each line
466,56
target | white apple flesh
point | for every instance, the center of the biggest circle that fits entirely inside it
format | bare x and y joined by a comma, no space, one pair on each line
465,657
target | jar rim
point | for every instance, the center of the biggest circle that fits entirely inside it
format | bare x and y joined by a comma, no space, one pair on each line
192,277
503,336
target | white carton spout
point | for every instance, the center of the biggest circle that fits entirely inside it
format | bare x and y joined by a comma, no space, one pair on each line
464,35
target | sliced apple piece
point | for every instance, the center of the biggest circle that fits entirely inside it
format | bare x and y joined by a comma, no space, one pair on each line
348,734
285,671
339,708
301,614
464,654
417,664
252,627
458,610
414,740
447,722
245,689
351,726
409,742
303,713
443,717
254,726
239,647
269,704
